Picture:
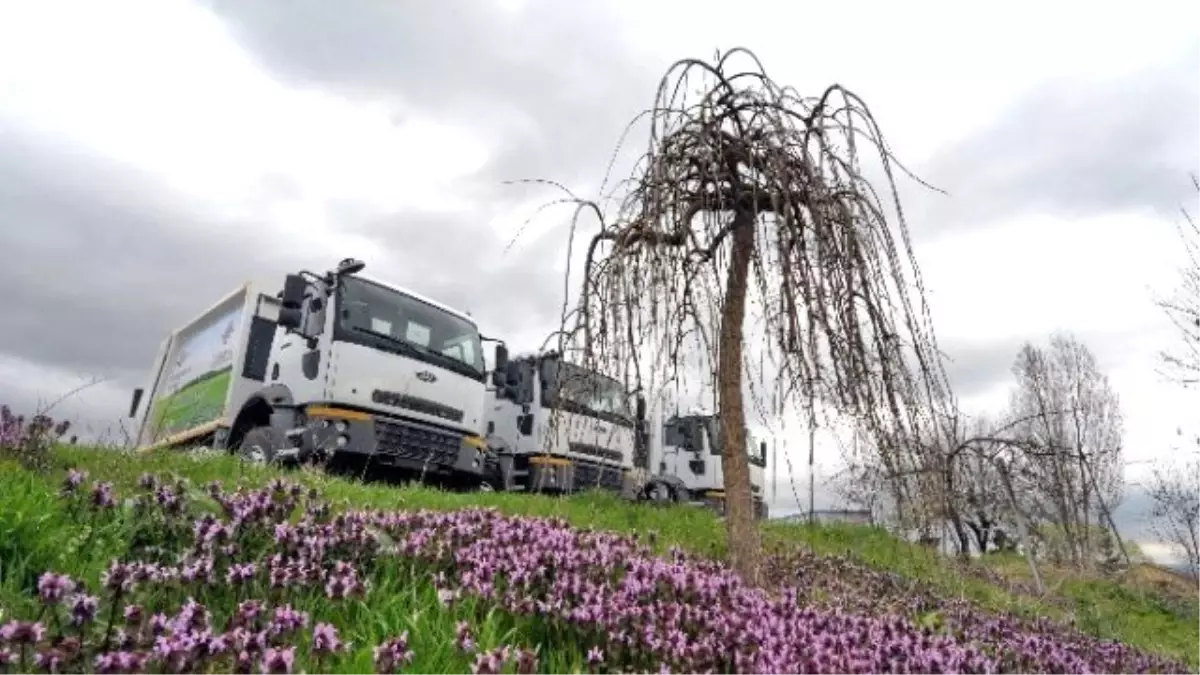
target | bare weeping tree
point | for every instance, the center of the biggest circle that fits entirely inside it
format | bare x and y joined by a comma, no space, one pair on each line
750,198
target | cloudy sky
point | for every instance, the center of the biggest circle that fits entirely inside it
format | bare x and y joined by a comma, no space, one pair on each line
156,153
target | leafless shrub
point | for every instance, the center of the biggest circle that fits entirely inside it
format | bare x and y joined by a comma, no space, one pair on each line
1175,492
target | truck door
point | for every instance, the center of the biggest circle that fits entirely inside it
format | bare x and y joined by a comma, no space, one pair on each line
296,363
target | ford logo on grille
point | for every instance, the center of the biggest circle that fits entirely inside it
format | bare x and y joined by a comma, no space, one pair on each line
426,376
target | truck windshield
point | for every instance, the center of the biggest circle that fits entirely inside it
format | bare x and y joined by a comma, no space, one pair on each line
592,391
370,311
712,426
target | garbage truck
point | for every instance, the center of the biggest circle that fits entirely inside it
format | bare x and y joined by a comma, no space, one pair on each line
556,426
683,463
335,364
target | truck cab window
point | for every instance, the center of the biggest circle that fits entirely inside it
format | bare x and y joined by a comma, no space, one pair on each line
692,440
418,334
587,391
461,348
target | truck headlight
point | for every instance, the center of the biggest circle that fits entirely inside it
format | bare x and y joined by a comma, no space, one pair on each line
340,425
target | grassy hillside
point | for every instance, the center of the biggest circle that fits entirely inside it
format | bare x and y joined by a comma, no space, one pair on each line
549,593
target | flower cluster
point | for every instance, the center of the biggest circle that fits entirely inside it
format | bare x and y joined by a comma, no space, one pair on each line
265,554
29,440
15,430
691,615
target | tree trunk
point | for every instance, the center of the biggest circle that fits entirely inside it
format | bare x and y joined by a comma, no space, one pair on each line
1022,525
745,546
949,494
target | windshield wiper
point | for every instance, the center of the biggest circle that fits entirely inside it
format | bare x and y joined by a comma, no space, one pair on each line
407,346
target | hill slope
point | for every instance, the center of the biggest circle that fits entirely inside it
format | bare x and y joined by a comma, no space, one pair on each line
540,577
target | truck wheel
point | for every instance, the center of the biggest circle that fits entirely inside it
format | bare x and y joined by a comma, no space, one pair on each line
260,445
661,493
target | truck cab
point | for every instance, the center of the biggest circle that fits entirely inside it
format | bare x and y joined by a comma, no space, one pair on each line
686,465
358,367
556,426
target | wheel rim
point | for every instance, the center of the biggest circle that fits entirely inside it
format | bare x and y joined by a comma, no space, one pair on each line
255,454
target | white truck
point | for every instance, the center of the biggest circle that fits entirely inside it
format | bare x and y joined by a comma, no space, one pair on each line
683,463
555,427
335,364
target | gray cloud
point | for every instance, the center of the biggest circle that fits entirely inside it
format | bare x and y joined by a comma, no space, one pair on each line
974,368
1076,148
507,291
553,82
109,260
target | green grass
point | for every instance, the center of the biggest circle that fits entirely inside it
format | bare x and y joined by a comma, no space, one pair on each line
1099,606
37,533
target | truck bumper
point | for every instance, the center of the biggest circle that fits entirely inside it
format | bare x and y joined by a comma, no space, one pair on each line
400,443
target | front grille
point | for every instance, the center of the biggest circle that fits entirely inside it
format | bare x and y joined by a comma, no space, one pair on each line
419,444
595,451
417,404
591,475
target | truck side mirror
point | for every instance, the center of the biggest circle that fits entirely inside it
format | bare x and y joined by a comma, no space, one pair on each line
762,451
641,407
500,368
137,398
292,301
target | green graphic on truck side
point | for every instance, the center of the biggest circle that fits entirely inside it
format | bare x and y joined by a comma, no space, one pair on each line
199,401
197,374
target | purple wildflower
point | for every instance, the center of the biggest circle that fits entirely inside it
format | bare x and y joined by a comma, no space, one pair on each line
325,639
114,663
52,588
22,632
278,660
83,609
287,621
490,662
72,482
392,654
463,637
102,495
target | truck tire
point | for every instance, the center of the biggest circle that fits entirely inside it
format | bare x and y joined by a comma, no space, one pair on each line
261,445
659,492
